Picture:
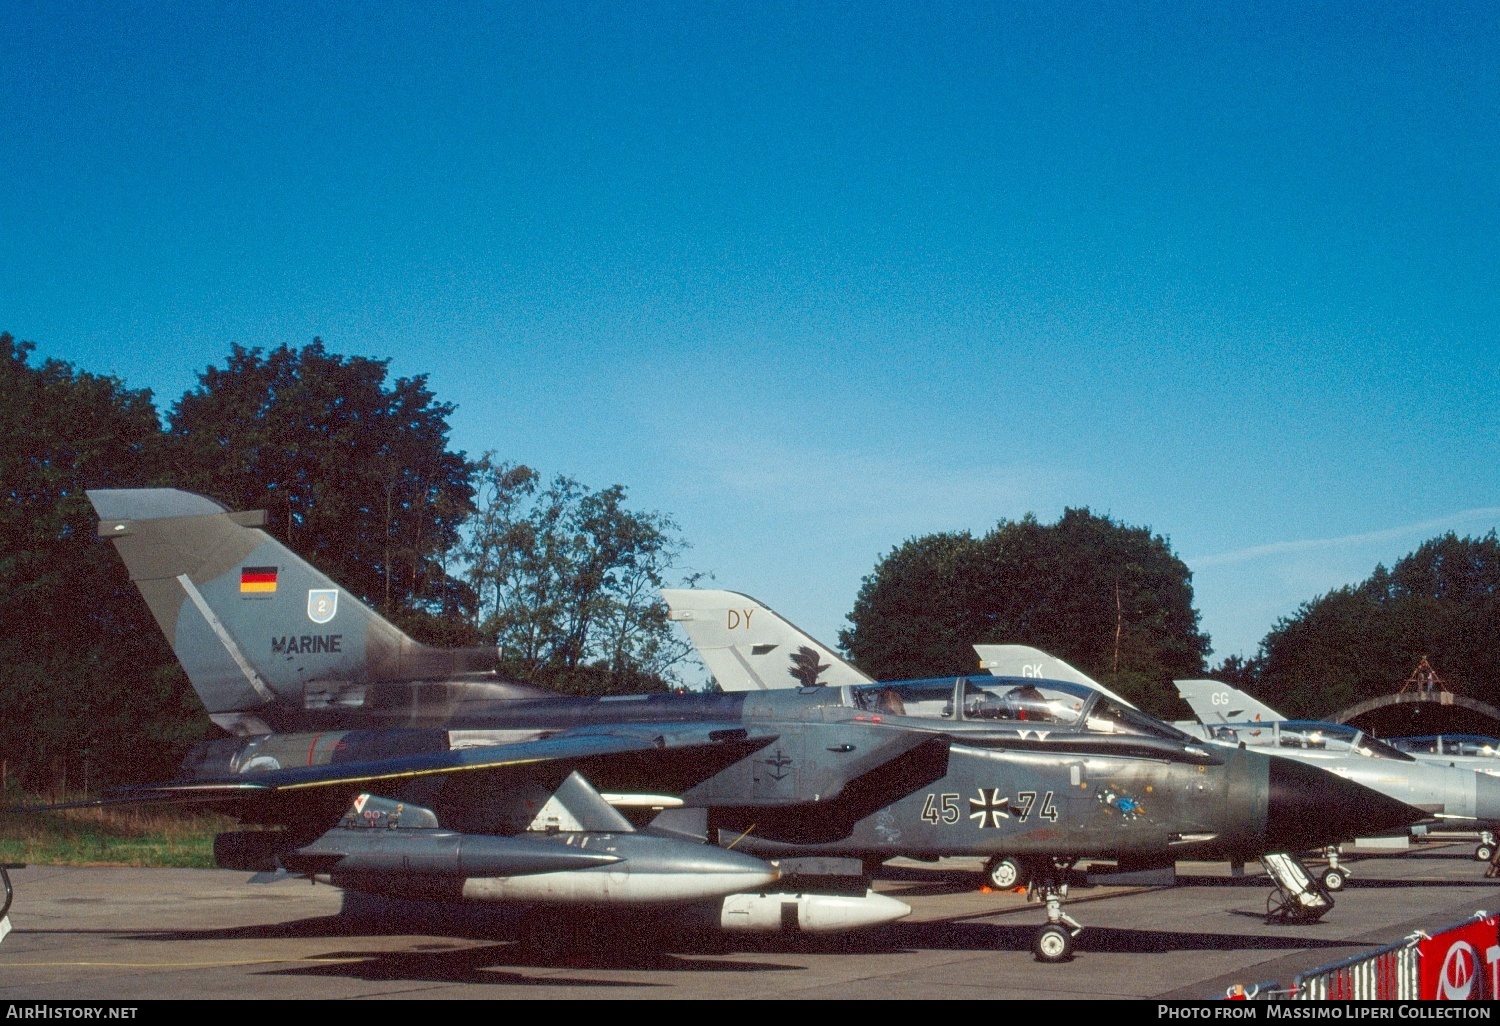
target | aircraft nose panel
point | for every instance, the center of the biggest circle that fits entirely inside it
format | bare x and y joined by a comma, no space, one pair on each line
1487,797
1308,807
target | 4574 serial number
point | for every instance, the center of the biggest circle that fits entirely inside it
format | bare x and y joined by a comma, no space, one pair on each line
988,808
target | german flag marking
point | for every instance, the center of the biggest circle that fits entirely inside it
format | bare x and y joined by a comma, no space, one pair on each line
258,580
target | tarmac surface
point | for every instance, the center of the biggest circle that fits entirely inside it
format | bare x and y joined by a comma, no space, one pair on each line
130,934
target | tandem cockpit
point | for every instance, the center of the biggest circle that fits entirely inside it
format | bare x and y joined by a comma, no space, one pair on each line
1334,738
1022,703
1469,746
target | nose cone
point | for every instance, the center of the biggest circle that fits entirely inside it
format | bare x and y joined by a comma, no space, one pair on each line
1487,797
712,861
1307,807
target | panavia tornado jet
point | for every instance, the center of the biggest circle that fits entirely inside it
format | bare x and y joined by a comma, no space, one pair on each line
1228,717
1455,787
328,703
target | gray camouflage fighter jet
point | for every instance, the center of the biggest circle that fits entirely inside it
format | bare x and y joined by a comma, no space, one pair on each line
746,645
328,703
1456,789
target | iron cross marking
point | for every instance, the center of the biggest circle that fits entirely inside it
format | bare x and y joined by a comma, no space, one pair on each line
989,809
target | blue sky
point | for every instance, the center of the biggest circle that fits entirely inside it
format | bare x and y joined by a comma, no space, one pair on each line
816,278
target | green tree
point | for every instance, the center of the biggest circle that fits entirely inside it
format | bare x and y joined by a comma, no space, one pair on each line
353,470
90,693
567,581
1239,672
914,615
1111,599
1441,601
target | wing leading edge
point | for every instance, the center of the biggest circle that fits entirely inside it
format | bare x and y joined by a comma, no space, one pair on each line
560,750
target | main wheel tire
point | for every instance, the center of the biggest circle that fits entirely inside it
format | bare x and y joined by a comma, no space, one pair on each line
1333,879
1053,944
1004,873
546,936
1484,852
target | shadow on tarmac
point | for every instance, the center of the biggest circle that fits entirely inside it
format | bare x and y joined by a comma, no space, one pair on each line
1350,883
486,965
656,947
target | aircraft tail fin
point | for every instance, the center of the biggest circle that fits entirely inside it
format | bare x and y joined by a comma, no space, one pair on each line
253,623
1025,661
747,647
1213,701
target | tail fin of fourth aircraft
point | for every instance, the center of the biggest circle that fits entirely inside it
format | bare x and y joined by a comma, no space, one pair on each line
1213,701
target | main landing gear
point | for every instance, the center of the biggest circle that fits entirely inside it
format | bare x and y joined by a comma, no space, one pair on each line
1049,884
1005,873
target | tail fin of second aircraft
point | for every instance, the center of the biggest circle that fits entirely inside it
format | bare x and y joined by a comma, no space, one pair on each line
1213,701
747,647
252,623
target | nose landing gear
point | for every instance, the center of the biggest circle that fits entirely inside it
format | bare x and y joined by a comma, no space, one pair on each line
1335,876
1486,847
1049,884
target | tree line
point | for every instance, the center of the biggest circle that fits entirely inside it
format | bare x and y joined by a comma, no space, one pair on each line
355,471
356,474
1441,602
1109,598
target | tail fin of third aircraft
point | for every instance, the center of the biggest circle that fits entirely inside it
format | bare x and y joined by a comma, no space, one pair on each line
1213,701
747,647
252,623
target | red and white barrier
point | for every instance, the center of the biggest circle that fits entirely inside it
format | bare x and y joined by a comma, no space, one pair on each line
1462,963
1458,963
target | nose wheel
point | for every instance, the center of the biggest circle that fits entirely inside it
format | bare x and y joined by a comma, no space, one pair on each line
1049,884
1053,944
1335,876
1485,851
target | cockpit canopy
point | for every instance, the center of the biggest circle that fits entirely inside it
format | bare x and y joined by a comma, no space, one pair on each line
1449,744
1017,702
1307,735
